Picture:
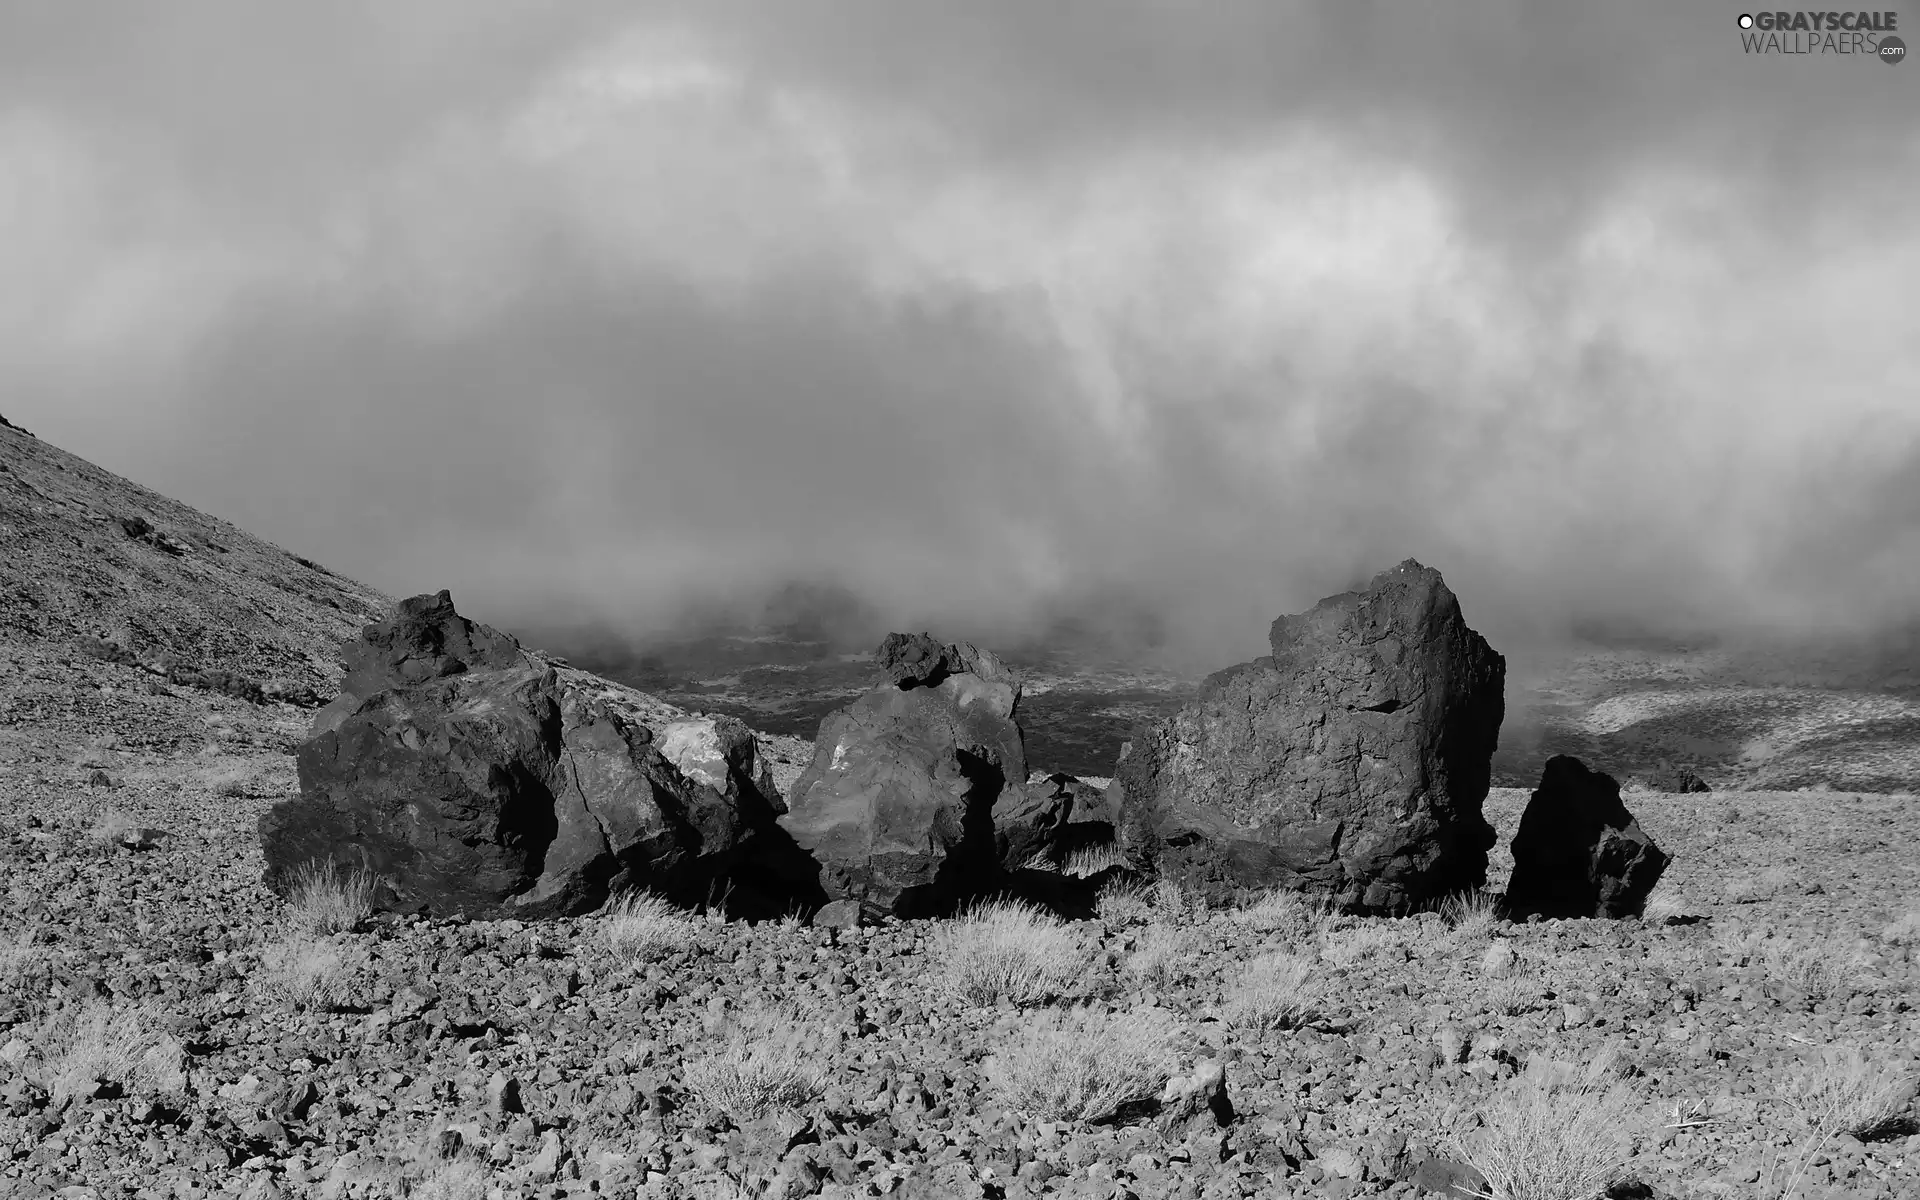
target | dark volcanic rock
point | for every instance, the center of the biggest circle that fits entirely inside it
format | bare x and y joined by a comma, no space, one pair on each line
1579,852
1678,780
1351,763
916,794
423,639
473,777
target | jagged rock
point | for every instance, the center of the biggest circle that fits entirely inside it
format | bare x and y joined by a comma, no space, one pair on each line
1578,851
1676,780
1352,763
915,789
423,639
471,776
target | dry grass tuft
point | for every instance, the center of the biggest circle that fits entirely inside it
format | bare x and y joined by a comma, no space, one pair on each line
1275,991
97,1043
1472,916
1344,947
1287,914
1553,1138
766,1062
1816,967
1083,1065
1089,861
325,900
1767,885
18,955
1164,954
1124,902
641,926
1852,1094
1005,949
308,971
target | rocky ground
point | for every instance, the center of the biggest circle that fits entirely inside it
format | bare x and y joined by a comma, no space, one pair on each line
564,1068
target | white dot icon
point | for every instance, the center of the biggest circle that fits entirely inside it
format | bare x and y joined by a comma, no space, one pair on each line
1746,20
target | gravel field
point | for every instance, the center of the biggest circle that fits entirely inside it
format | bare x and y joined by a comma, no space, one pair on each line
496,1058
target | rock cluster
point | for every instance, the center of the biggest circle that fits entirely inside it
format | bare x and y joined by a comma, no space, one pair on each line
916,795
1351,763
1579,852
471,776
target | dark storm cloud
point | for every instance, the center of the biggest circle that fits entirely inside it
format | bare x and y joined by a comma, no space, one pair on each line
989,311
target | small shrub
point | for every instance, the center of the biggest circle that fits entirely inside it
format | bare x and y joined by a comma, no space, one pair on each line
1124,903
1767,885
1471,915
324,900
1083,1065
1007,949
1814,966
1661,907
1275,991
642,926
1287,914
1852,1094
308,971
766,1062
18,954
1088,861
1546,1138
1163,954
97,1043
1345,947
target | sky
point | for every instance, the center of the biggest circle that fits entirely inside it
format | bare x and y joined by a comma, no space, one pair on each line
988,312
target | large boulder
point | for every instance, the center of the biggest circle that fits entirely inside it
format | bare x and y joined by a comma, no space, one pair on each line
916,792
1352,763
470,775
1579,852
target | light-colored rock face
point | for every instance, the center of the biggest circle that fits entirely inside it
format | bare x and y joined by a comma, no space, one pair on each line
694,746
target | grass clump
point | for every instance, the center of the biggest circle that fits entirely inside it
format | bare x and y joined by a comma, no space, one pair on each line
1006,949
96,1043
1472,916
765,1063
1286,914
641,926
1163,954
309,972
1845,1093
1852,1094
1275,991
325,900
1084,1065
1813,966
1550,1137
1345,947
18,956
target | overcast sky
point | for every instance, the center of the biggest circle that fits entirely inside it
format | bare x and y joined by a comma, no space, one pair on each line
987,309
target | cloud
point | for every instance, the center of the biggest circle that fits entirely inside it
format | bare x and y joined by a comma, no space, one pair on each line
1016,311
